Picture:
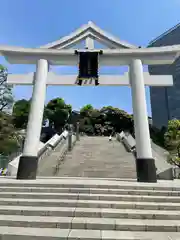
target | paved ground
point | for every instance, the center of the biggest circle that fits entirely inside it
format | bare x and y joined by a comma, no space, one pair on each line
97,157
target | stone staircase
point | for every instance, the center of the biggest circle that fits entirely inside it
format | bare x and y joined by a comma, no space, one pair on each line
89,209
97,157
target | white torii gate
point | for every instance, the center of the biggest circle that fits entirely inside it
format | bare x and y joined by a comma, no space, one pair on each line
119,53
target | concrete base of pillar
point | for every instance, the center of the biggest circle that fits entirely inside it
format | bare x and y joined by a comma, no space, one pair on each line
27,167
146,170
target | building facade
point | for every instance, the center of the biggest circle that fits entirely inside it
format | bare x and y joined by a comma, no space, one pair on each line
165,101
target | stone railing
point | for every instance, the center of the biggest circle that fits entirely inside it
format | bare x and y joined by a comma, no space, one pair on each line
127,140
50,164
44,149
51,144
67,147
163,169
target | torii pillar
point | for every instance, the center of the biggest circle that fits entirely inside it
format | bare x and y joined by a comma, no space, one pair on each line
145,164
28,162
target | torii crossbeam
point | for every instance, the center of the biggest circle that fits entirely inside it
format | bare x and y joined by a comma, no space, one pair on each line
119,53
104,80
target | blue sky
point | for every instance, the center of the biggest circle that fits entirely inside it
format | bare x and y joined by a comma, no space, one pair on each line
38,22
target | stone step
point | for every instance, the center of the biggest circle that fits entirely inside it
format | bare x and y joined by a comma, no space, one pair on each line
88,209
90,223
128,187
87,178
88,190
84,183
20,233
89,212
90,204
97,157
83,196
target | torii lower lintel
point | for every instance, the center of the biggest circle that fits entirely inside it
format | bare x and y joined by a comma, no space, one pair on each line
104,80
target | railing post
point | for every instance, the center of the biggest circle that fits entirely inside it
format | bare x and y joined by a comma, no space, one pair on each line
77,131
70,139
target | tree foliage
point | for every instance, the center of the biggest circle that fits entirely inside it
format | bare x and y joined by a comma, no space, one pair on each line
172,141
9,140
104,121
6,97
172,136
86,110
20,113
118,119
157,135
58,113
8,136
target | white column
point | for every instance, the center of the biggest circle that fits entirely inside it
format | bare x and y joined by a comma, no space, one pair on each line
143,142
37,109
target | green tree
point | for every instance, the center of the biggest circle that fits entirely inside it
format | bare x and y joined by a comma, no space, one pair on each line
104,121
157,135
58,113
118,119
20,113
86,110
87,119
9,140
6,97
74,118
97,121
172,136
172,141
8,136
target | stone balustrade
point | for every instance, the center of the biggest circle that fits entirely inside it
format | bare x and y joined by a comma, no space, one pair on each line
45,149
